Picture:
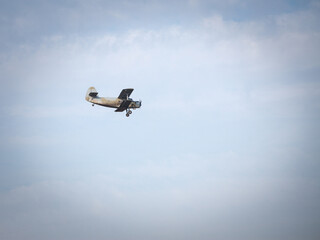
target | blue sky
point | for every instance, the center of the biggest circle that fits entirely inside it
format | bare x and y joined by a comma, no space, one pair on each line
225,146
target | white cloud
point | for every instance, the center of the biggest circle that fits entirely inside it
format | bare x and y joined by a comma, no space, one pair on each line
230,62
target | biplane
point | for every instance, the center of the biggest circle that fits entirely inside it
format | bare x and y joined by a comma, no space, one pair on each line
122,103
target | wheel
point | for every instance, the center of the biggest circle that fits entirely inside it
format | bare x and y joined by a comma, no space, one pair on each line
92,104
127,114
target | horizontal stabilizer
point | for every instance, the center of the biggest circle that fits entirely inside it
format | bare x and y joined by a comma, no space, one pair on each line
93,94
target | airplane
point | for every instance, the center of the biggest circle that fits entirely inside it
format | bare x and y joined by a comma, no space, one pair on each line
121,103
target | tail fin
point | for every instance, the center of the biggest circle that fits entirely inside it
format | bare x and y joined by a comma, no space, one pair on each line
91,93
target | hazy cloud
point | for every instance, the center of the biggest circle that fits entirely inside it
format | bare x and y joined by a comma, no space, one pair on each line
226,143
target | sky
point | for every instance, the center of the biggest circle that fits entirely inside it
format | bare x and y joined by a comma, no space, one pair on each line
225,146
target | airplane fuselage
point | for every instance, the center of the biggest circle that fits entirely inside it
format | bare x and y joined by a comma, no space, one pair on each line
106,102
111,102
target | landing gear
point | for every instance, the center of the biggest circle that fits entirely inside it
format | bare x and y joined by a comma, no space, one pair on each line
128,113
92,104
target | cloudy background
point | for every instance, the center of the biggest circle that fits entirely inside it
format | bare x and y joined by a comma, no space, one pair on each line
226,145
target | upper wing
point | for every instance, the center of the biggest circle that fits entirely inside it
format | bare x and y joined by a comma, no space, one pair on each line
125,93
124,105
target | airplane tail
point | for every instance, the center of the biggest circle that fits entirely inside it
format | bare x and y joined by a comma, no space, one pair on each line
91,93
